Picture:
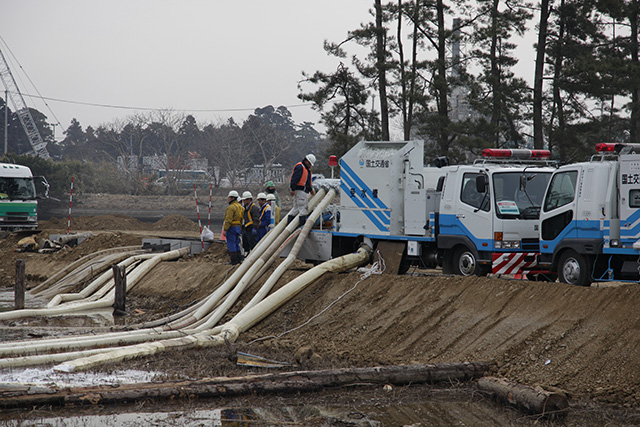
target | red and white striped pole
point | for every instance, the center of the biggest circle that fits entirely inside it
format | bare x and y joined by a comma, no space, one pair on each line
209,216
70,201
195,193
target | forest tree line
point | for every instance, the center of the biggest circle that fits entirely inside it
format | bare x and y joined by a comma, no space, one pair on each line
268,137
586,77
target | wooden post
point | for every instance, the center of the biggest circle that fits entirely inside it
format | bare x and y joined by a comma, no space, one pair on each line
533,400
120,278
19,289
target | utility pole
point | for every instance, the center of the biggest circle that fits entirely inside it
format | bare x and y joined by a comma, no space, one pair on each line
6,122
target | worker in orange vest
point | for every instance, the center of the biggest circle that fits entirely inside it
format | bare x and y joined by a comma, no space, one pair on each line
300,186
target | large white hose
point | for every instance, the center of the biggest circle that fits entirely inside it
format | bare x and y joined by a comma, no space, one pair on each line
78,265
231,330
116,338
198,323
211,301
88,290
284,265
257,265
107,300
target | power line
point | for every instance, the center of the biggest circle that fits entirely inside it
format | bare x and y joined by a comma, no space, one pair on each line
125,107
30,81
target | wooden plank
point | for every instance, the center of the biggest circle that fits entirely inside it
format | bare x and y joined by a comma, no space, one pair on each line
391,253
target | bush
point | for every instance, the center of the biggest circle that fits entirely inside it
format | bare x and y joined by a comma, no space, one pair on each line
88,177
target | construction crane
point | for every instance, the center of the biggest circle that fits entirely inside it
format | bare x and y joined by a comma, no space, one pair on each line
38,144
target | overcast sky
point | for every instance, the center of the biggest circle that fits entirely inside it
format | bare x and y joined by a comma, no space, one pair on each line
229,56
184,55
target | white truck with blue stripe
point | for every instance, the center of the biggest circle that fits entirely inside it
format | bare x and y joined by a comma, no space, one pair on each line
469,219
590,218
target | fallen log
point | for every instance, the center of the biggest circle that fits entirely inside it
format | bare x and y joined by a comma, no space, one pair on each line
533,400
283,382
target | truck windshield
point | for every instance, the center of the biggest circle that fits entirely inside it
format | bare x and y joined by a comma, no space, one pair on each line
518,195
17,189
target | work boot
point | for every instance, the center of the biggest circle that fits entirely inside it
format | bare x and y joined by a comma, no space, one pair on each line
237,258
234,258
289,219
302,219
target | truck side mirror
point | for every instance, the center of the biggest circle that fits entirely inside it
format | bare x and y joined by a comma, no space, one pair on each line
440,162
481,183
44,184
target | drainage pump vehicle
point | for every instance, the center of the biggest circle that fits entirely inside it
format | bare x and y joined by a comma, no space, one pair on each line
470,219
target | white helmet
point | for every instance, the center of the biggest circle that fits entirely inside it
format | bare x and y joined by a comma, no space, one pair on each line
233,193
271,197
247,195
311,158
261,196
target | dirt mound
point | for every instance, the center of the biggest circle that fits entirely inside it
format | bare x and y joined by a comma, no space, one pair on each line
175,223
98,243
120,222
99,222
39,266
156,202
584,340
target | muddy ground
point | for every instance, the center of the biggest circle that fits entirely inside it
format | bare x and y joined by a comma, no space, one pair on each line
583,341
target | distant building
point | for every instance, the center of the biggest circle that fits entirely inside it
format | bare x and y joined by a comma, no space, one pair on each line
258,174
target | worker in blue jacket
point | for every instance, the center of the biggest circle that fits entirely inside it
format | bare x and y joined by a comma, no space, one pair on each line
265,216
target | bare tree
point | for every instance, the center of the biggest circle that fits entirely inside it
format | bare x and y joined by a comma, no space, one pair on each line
162,127
226,150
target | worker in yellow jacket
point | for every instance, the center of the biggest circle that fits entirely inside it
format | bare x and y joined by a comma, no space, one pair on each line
233,226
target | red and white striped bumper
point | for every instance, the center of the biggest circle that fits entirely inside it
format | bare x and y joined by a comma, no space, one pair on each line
513,262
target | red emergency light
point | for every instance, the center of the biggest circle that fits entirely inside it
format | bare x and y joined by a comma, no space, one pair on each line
605,147
516,153
333,161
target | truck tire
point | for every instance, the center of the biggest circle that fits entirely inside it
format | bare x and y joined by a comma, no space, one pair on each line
573,268
465,262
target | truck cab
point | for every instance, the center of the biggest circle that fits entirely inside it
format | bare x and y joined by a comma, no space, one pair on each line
18,204
488,220
590,219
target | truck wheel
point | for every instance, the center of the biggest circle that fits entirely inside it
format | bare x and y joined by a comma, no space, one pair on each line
573,269
464,262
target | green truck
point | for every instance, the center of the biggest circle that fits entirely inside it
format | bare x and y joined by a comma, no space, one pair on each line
18,198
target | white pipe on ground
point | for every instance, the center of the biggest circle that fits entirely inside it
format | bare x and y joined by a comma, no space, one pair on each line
89,289
257,265
130,337
293,254
76,264
231,330
106,301
240,272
